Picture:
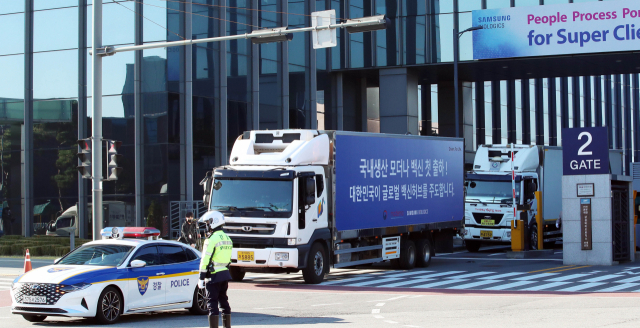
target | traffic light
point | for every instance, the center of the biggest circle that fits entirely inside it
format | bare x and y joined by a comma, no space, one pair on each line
113,170
85,158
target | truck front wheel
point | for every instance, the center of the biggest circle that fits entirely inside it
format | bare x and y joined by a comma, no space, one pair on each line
407,255
313,273
236,274
472,245
533,242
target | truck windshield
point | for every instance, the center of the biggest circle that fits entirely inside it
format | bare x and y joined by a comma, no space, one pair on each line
491,192
267,198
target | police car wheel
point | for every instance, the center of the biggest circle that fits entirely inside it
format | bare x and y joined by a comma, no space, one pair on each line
109,306
34,318
199,303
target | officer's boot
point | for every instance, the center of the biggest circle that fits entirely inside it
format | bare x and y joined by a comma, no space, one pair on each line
213,321
226,320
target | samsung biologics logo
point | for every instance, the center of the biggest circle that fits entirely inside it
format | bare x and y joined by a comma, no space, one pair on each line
493,19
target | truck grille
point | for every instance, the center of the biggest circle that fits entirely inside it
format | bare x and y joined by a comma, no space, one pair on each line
497,217
51,291
250,228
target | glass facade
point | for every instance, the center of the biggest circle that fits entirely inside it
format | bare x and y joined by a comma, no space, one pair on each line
226,88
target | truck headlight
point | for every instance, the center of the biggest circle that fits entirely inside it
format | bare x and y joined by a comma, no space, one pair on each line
291,241
282,256
73,288
508,234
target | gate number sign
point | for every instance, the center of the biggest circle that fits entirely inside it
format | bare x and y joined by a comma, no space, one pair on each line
585,151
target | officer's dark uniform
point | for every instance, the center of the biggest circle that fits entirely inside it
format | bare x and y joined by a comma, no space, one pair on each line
214,270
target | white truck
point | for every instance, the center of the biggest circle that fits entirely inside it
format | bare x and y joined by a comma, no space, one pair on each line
116,214
489,198
310,200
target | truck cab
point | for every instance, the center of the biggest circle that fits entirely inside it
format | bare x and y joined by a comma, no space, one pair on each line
502,187
274,198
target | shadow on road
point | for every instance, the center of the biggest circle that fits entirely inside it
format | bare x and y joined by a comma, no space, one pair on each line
185,319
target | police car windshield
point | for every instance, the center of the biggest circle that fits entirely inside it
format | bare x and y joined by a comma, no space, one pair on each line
269,198
101,255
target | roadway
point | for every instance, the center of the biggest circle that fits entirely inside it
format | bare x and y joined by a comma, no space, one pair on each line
458,290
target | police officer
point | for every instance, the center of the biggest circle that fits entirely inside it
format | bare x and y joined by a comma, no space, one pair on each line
214,271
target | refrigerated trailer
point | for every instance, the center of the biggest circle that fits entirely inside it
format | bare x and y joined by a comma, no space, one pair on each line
496,180
313,200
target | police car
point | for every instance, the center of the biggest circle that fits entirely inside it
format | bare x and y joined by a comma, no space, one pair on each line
111,277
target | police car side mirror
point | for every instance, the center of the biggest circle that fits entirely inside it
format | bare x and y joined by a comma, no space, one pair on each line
138,264
57,260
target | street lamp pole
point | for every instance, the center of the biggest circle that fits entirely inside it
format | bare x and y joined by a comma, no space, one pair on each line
279,34
456,55
96,122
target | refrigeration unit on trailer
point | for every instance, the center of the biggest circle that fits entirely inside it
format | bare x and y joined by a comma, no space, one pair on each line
310,200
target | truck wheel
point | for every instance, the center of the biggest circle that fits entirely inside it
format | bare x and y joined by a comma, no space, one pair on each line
313,273
407,255
236,274
34,318
472,245
533,241
423,246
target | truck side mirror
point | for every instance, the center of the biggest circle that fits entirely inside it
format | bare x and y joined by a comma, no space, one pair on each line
310,191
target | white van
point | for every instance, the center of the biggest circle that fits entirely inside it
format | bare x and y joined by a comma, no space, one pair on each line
116,214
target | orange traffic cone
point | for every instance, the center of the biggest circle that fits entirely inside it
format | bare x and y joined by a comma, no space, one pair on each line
27,262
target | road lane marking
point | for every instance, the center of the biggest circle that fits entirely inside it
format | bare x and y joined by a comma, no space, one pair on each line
552,269
475,284
372,282
440,283
447,273
389,321
495,254
505,275
536,276
411,273
373,311
406,282
617,288
481,273
7,279
511,285
397,297
569,277
574,268
581,287
326,304
380,304
333,282
378,317
602,278
634,279
546,286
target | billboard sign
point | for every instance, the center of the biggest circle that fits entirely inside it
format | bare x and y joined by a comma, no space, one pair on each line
384,181
585,151
573,28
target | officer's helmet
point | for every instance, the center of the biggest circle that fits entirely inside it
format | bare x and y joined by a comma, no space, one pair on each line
212,219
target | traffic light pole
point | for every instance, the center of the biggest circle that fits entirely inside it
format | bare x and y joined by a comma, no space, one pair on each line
96,122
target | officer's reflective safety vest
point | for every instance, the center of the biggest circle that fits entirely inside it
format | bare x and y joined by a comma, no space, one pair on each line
220,245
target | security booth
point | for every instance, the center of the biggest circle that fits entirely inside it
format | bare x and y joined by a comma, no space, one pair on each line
597,200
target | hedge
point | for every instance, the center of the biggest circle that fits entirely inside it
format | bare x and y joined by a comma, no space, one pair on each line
38,245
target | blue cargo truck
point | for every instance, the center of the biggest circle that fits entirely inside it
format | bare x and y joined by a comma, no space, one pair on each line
313,200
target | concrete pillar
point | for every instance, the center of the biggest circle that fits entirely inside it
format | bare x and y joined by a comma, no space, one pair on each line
398,101
447,116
